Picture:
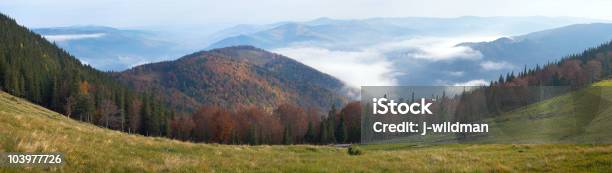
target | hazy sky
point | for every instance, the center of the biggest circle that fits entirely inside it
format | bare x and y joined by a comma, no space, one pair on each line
137,13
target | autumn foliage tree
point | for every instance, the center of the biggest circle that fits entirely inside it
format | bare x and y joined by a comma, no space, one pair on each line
287,124
351,119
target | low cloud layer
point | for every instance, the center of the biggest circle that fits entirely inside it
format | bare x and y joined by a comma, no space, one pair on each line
436,48
373,66
477,82
67,37
355,68
491,65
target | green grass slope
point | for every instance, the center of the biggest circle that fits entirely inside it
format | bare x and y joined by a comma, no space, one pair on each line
25,127
583,116
579,117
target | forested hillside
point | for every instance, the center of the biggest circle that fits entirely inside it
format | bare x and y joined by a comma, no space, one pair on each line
577,70
243,94
232,95
235,95
35,69
237,77
514,91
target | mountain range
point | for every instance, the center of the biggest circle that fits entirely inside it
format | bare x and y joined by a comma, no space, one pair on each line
349,34
112,49
117,49
504,55
426,51
44,74
412,51
544,46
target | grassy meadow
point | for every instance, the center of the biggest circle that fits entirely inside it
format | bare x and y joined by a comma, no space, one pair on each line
25,127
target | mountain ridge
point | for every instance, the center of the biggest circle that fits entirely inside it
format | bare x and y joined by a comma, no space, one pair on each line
347,33
111,49
236,76
544,46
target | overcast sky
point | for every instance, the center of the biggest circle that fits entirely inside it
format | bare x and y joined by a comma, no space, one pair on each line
138,13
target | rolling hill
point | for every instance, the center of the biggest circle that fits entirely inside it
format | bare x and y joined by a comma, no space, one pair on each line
544,46
25,127
578,117
236,76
